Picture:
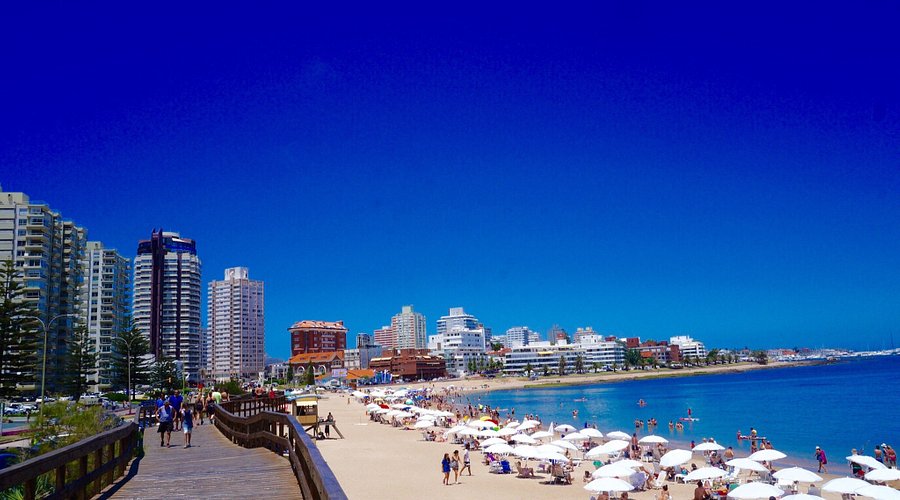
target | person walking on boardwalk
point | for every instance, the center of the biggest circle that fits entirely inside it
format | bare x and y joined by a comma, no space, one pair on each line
187,423
445,468
165,415
822,459
177,400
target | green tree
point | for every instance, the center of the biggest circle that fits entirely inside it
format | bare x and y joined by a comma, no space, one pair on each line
632,357
290,374
528,369
164,375
579,364
129,360
712,356
309,376
496,346
18,333
81,363
562,365
546,370
760,357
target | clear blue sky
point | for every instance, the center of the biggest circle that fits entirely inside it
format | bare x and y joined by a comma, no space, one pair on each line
729,172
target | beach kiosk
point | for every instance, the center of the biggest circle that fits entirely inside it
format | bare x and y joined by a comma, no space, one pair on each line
306,409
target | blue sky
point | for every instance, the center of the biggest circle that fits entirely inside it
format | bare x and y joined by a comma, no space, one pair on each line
648,170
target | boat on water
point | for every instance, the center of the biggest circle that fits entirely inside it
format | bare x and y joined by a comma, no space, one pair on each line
580,400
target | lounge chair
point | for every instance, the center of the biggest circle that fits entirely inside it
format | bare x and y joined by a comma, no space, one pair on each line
524,472
504,467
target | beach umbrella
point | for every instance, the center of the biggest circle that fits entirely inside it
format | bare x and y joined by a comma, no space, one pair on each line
879,492
867,461
755,490
576,436
426,416
613,470
547,448
527,425
514,423
746,463
507,431
844,485
618,435
564,444
802,496
468,431
482,424
653,439
554,455
540,434
674,457
767,455
704,473
488,433
359,394
527,452
424,424
590,432
456,429
709,447
490,441
608,484
883,475
500,448
530,422
523,438
613,446
404,414
628,462
796,474
444,413
564,428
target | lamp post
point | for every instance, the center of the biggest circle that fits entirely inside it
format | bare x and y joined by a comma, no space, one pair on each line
128,389
46,327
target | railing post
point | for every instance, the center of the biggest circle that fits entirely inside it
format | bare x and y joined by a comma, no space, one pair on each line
30,488
60,478
98,460
82,471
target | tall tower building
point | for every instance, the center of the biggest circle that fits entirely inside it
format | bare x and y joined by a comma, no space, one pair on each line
236,326
46,251
409,327
105,304
386,337
520,335
456,320
167,298
311,336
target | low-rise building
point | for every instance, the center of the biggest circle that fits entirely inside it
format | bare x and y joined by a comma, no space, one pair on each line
410,364
542,356
459,348
322,363
689,347
601,352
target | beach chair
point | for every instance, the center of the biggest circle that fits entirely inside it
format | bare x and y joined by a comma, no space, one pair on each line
658,482
524,472
495,468
504,467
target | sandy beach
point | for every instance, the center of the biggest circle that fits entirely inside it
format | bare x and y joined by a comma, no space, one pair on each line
375,460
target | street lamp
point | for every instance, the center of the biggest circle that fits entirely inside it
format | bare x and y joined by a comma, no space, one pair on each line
128,390
46,327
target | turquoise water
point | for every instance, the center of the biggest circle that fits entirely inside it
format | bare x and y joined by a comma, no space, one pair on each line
840,406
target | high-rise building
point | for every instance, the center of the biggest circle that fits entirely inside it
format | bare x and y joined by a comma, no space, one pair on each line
105,304
386,337
521,335
310,336
557,334
409,327
456,320
236,326
167,298
47,252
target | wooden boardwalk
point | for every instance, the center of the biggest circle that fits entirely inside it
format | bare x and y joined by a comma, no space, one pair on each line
212,467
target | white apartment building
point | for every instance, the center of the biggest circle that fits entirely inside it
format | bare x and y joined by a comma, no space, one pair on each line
236,326
105,303
458,347
688,346
409,328
47,252
167,299
458,319
599,351
521,335
540,355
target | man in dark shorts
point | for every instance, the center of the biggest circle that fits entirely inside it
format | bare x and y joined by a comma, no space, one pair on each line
165,415
177,400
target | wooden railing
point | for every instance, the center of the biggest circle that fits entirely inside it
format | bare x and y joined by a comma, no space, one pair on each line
107,454
262,422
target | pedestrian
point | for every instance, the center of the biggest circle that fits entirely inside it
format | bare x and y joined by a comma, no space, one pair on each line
177,400
454,464
165,415
187,423
210,408
822,459
467,463
328,421
445,468
198,407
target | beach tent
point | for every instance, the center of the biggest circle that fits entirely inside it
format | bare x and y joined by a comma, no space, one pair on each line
755,490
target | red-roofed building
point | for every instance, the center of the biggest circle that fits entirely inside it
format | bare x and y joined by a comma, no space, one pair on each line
322,362
310,336
411,364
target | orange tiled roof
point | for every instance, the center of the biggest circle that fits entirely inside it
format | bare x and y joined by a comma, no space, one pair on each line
320,325
364,373
316,357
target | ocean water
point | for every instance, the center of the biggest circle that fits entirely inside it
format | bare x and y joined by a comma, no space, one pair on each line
839,406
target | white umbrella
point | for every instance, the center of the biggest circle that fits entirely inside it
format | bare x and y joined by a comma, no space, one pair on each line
507,431
455,430
526,451
767,455
528,424
468,432
867,461
627,462
710,446
608,484
802,496
883,475
592,433
844,485
553,455
514,423
879,492
674,457
444,413
488,433
540,434
490,441
405,414
547,448
755,490
618,435
704,473
613,446
564,444
575,436
500,448
798,475
564,428
652,439
359,394
523,438
746,463
424,424
482,424
613,470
